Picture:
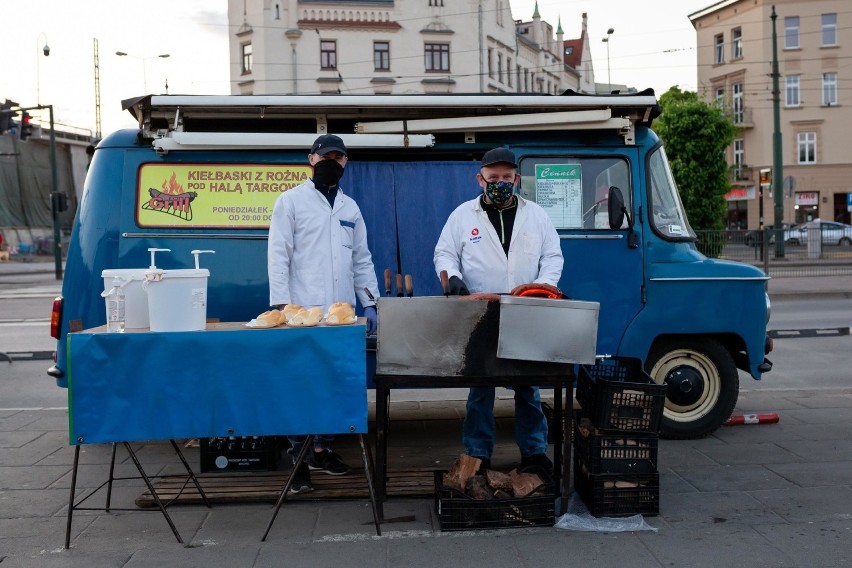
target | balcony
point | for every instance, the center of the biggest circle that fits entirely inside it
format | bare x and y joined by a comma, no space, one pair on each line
740,173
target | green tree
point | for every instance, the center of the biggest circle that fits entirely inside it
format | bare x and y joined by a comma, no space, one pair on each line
696,135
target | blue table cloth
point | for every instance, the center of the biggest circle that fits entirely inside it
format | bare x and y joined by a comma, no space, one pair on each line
226,381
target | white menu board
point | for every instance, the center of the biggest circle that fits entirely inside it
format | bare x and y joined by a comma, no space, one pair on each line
559,191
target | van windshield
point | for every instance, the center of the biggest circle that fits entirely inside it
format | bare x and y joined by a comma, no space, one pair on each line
573,190
668,217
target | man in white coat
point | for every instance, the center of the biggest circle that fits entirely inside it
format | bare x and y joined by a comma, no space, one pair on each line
317,255
492,244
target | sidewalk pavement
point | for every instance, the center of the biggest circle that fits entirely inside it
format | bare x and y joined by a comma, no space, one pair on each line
766,495
771,495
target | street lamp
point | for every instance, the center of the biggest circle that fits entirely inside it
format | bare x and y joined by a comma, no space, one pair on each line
609,32
144,65
46,51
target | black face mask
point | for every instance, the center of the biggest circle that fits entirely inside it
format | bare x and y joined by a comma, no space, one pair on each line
328,172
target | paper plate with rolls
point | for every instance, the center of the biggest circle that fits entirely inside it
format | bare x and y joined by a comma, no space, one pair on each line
341,313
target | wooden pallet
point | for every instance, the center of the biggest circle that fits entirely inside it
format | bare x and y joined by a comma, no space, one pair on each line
262,486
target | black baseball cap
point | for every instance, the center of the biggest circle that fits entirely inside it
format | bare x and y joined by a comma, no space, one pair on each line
499,156
328,143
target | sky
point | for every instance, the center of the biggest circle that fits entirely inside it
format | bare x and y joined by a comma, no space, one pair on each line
653,45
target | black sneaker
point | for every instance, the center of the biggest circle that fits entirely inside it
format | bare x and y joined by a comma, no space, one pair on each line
537,461
302,481
328,462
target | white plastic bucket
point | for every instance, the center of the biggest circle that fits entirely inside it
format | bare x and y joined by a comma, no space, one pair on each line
135,298
177,299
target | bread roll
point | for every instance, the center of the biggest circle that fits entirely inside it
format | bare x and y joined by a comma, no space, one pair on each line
290,310
306,317
269,318
340,312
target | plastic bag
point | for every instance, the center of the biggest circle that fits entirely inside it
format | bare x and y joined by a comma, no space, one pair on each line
578,518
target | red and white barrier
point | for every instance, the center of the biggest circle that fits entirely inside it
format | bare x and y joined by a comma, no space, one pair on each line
738,419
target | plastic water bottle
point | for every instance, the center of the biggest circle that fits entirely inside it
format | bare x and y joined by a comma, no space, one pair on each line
115,307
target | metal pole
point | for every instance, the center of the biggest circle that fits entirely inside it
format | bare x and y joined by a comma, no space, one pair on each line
54,198
777,158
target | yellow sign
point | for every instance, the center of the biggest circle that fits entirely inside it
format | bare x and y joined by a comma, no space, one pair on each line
200,196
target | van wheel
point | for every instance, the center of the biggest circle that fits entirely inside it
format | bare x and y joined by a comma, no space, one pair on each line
703,386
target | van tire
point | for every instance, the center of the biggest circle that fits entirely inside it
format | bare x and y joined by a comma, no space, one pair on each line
703,386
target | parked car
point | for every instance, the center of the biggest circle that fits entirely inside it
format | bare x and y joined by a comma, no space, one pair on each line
832,233
753,236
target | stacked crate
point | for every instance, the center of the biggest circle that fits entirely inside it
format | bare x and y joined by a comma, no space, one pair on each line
616,438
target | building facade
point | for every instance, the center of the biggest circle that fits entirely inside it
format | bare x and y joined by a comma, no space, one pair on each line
814,41
393,47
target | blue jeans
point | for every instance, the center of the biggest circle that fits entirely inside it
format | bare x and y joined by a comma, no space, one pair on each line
479,430
319,443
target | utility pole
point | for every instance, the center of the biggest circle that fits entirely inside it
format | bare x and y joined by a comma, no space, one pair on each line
54,200
777,157
97,91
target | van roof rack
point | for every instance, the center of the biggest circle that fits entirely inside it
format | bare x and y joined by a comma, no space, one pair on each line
186,122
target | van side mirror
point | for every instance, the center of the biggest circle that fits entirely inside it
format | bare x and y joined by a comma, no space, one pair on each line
617,213
615,208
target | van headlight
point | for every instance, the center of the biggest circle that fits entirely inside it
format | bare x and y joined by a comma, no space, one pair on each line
768,307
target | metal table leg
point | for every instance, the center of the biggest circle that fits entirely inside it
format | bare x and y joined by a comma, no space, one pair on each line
368,471
558,457
190,473
71,499
308,444
382,412
152,490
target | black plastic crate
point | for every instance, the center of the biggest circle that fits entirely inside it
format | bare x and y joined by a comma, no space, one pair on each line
617,452
244,453
616,494
458,511
617,394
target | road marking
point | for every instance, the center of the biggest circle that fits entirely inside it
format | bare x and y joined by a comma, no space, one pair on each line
819,332
24,322
36,408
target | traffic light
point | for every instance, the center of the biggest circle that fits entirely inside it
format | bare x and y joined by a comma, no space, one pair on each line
765,176
26,125
7,115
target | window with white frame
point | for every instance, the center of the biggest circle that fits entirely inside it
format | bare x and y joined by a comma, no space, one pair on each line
829,30
381,55
490,63
737,102
829,89
246,58
720,97
739,157
791,91
806,142
791,32
509,71
719,49
736,43
328,54
499,67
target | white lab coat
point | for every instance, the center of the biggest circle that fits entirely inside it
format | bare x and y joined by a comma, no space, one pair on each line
318,255
470,248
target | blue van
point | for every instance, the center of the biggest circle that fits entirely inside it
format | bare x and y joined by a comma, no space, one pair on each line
202,172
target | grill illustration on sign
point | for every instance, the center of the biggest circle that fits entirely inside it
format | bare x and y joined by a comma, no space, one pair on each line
179,205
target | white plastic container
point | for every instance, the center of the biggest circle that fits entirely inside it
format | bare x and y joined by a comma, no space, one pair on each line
177,299
135,298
